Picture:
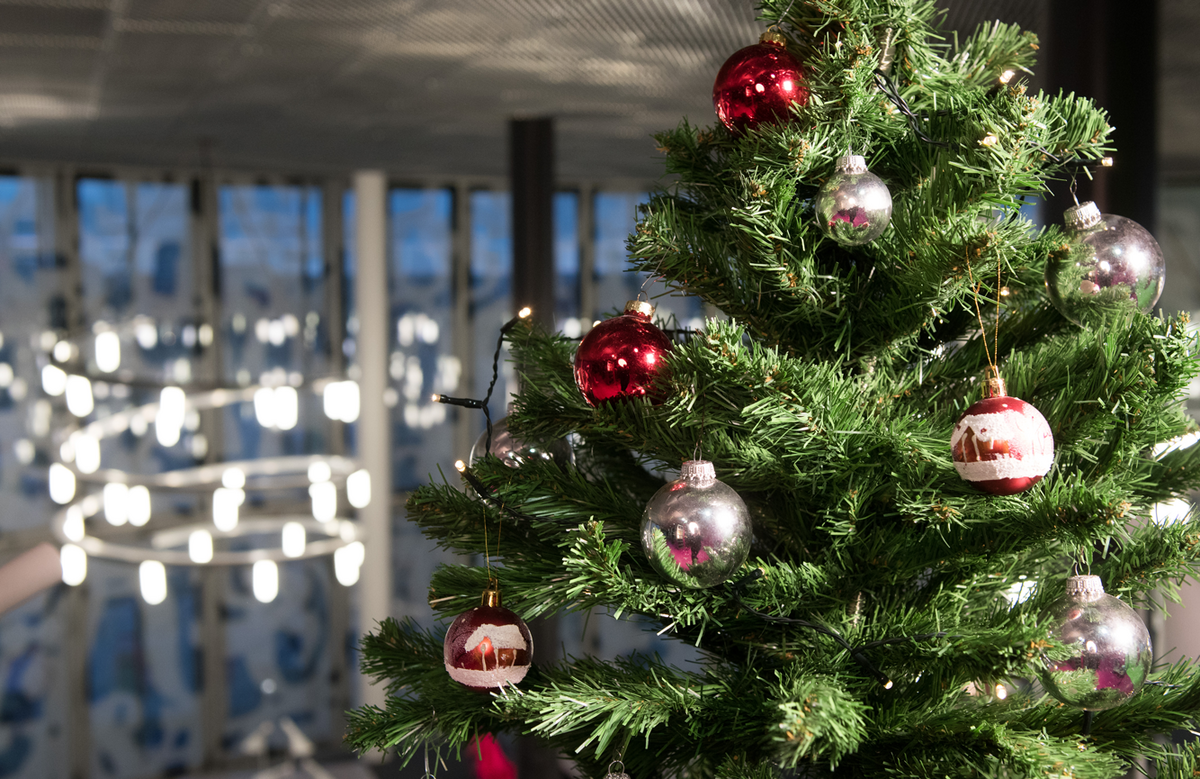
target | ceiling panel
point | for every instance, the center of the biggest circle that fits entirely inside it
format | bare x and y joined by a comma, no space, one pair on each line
418,87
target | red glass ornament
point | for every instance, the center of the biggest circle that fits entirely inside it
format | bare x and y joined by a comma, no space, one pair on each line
759,84
623,357
1002,445
488,646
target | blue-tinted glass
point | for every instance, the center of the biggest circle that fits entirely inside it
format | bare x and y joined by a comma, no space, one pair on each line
421,360
273,304
491,293
566,262
33,634
142,673
134,249
616,217
277,654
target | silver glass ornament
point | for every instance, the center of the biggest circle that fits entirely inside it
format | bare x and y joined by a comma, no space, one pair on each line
854,206
1113,648
514,452
1111,266
696,530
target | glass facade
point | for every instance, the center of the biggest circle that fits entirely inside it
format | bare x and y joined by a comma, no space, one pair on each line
138,277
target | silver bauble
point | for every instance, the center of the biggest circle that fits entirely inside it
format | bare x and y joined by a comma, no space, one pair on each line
1112,266
854,206
1113,648
514,452
696,530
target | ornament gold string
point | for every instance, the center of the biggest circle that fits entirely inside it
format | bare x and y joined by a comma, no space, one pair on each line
992,359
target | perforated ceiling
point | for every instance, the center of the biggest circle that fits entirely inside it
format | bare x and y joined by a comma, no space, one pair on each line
418,87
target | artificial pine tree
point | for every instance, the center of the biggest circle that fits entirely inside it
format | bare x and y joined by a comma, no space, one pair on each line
867,631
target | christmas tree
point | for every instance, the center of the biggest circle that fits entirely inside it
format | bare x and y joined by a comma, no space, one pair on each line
867,599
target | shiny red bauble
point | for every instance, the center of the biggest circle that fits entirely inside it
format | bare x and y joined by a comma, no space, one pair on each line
1002,445
488,647
759,84
623,357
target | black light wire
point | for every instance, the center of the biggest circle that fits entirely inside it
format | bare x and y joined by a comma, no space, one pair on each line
916,119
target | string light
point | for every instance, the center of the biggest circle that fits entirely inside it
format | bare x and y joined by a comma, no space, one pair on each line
126,499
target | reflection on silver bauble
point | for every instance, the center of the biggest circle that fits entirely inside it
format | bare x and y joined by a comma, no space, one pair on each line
1112,266
1113,648
696,530
854,206
513,452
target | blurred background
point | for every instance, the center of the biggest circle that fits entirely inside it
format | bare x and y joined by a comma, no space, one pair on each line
191,181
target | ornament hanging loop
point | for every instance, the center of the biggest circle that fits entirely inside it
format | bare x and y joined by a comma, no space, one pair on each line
995,384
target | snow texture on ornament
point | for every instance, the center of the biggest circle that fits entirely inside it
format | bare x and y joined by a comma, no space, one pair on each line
759,84
696,530
488,646
1113,651
1111,266
853,206
514,452
1002,445
623,357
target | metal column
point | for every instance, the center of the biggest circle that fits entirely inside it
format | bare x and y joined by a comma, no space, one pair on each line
462,338
205,253
587,256
531,168
374,423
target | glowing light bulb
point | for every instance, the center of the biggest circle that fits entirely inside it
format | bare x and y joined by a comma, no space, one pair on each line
200,546
287,407
264,580
233,478
73,560
80,400
294,539
108,351
342,401
62,484
139,505
54,380
347,563
152,575
324,501
264,406
172,411
73,526
116,503
87,452
319,471
358,488
225,505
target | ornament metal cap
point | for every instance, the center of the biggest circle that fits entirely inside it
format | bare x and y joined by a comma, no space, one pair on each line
1082,216
851,163
773,37
995,387
639,307
698,470
491,598
1085,588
